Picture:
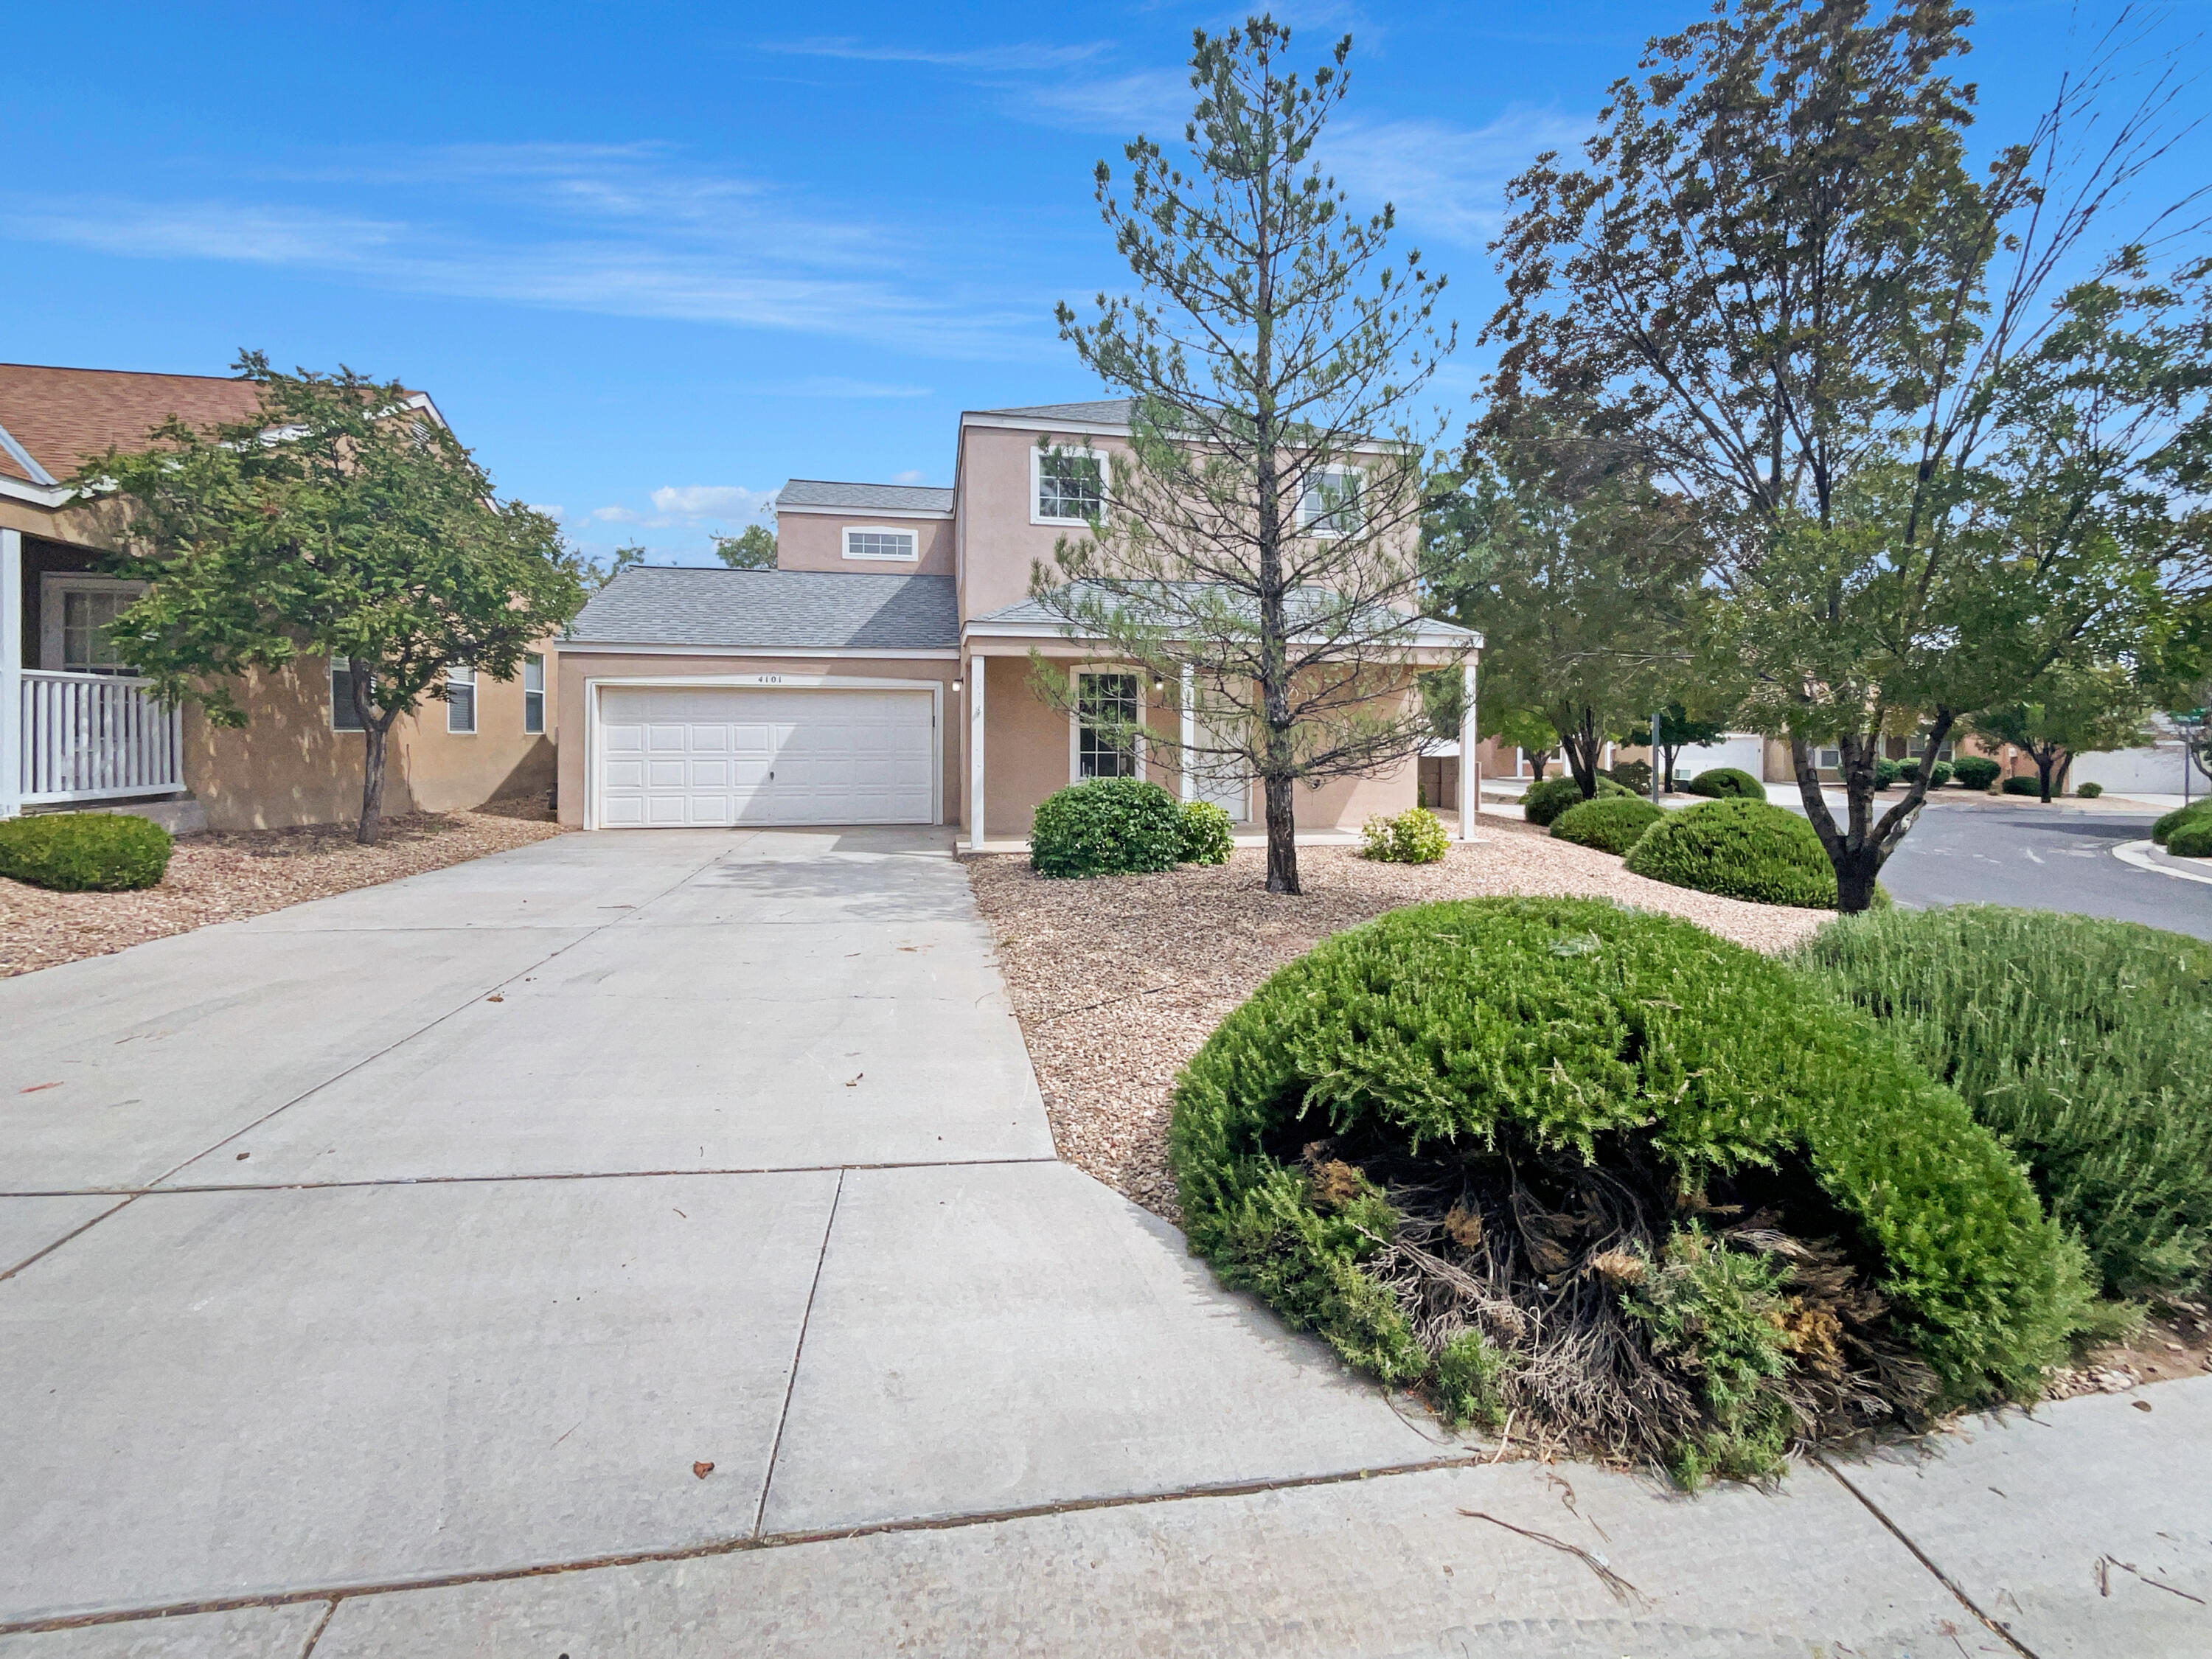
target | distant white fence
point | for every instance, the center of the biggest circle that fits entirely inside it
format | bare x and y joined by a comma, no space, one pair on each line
97,737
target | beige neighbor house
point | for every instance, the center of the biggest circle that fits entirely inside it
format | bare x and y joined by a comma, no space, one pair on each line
881,672
79,731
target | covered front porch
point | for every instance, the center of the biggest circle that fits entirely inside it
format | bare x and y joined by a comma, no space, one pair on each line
76,726
1022,746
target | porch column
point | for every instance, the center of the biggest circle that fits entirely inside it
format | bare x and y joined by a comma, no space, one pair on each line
1189,736
1470,768
11,672
976,753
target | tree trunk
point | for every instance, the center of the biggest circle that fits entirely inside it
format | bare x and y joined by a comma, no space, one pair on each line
372,780
2046,760
1857,852
1282,835
1583,746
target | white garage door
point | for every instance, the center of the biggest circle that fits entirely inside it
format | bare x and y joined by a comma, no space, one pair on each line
726,755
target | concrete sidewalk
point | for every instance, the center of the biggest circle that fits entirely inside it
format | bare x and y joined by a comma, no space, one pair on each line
383,1276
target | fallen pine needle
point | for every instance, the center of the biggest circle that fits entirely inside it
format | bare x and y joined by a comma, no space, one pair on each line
1621,1588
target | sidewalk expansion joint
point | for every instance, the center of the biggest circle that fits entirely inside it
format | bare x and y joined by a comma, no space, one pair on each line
128,1193
746,1544
1921,1556
797,1350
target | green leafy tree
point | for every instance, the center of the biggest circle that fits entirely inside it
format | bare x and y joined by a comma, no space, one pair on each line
1259,530
1775,275
2072,712
343,519
1679,730
1581,577
625,558
752,548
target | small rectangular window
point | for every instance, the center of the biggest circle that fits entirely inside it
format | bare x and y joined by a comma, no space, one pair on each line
1070,488
1331,505
1107,714
881,545
343,715
461,698
1828,760
533,693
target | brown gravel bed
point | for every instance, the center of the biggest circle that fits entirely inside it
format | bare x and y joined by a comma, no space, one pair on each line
227,876
1117,981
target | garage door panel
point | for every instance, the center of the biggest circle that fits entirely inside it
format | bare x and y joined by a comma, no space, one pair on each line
721,756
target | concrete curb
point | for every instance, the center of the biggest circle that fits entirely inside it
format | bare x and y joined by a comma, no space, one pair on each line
2145,855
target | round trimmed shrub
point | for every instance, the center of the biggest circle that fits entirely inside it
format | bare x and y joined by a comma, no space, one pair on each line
2192,840
1545,801
1205,833
1939,775
1106,827
1886,773
1611,825
2023,785
1728,783
1487,1043
1743,849
1416,835
2162,830
1975,772
2090,791
84,852
1634,776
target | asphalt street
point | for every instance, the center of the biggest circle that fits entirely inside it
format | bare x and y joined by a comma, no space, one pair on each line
2053,857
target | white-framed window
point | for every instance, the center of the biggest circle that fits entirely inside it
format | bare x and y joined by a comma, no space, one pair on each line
865,544
461,698
1067,486
1331,503
533,693
1916,746
1830,759
342,717
75,613
1108,741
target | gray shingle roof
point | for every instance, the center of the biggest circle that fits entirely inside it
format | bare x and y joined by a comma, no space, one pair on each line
1099,411
867,497
1036,613
800,609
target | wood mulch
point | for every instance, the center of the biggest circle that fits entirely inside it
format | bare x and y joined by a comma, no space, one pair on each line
229,875
1117,981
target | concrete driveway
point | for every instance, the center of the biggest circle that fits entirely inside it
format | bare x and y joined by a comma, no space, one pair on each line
382,1276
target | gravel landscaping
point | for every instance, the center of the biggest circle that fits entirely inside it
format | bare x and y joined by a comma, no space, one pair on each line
229,875
1117,980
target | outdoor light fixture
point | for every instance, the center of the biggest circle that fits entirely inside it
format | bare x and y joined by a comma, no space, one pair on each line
1158,684
955,683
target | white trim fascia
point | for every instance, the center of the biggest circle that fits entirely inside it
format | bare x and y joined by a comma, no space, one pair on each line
1005,423
24,459
37,495
867,654
1004,630
866,513
594,683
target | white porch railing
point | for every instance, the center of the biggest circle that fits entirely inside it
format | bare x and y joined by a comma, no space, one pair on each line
96,737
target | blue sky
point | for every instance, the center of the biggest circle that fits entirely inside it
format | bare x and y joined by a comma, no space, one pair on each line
653,259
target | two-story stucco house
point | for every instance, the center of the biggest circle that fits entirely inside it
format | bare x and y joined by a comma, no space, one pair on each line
881,672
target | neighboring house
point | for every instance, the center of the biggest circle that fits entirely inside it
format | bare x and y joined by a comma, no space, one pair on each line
881,672
78,730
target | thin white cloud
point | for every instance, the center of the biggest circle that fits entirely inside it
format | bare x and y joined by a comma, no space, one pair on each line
616,515
1445,180
621,230
710,500
913,475
834,386
1154,101
1019,58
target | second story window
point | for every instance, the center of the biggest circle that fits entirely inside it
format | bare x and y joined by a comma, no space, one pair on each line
1071,487
533,693
881,545
461,698
1331,504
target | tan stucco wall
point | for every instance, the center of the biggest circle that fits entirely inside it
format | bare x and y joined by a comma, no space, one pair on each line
287,767
577,666
815,541
998,543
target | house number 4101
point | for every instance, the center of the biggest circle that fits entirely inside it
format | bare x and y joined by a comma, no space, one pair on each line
767,679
